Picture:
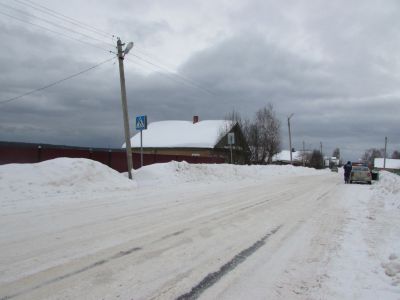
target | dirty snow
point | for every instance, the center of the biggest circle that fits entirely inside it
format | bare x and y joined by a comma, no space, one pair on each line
73,228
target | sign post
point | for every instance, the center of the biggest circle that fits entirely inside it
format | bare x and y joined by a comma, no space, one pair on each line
141,124
231,141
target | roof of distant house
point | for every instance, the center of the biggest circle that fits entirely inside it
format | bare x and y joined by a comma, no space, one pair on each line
284,155
390,163
182,134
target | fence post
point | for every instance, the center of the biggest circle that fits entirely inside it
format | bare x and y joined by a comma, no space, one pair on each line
109,157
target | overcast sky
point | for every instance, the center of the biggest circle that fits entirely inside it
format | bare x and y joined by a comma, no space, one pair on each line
334,64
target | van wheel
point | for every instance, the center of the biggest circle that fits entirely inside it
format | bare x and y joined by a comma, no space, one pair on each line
369,182
351,181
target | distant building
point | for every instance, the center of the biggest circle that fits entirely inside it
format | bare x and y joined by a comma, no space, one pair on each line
392,165
330,162
198,138
283,158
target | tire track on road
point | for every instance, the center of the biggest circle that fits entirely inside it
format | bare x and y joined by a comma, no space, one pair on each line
212,278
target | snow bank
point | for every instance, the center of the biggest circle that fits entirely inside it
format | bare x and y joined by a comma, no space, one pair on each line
387,194
366,262
73,176
59,175
388,189
183,172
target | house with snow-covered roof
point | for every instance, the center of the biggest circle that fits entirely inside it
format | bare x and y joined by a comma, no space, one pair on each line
392,165
208,138
283,157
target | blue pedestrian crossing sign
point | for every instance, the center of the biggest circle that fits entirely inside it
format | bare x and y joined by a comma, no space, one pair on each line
141,122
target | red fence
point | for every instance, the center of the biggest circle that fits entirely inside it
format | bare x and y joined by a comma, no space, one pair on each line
114,158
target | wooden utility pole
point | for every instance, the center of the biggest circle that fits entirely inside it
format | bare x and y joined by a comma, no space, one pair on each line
290,139
322,156
384,158
125,108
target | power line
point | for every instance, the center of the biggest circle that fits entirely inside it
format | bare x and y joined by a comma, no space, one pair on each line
171,74
182,78
151,57
165,67
63,17
56,82
54,31
55,24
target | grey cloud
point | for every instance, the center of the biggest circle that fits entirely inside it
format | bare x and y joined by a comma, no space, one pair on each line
342,88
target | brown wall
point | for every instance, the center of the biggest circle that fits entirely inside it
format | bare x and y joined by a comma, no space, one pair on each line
178,151
114,158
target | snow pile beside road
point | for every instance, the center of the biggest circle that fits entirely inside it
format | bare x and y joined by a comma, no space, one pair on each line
182,172
388,189
79,175
57,176
366,264
387,193
73,176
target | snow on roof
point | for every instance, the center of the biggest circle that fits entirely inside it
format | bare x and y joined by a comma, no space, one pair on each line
390,163
185,134
284,155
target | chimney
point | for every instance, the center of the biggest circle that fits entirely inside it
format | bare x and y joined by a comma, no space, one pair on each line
195,119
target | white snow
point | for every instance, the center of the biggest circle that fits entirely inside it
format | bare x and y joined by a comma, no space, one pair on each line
365,264
390,163
203,134
37,184
183,172
284,155
73,228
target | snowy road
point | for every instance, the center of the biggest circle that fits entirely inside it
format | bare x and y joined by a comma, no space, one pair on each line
261,240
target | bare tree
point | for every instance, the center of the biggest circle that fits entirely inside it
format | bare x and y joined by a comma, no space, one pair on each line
336,153
396,154
370,154
264,135
242,140
315,159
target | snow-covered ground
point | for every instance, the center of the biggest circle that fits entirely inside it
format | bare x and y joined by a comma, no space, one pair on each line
75,229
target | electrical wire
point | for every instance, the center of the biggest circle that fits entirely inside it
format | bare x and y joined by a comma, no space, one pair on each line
162,65
180,77
63,17
168,73
54,31
56,82
55,24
